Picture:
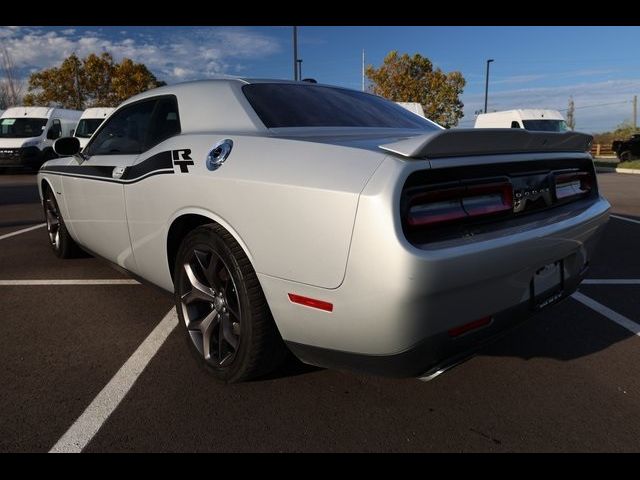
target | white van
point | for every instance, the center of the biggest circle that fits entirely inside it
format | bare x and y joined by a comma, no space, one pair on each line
529,119
89,122
27,134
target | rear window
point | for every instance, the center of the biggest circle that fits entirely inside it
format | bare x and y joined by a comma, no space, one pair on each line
290,105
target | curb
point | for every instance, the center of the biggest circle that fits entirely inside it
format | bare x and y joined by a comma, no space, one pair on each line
617,170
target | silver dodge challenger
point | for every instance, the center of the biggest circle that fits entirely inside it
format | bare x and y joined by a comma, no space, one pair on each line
326,222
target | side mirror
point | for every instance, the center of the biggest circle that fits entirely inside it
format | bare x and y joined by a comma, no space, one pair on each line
73,130
67,146
53,133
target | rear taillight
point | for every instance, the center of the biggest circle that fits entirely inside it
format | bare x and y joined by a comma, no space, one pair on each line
572,184
447,203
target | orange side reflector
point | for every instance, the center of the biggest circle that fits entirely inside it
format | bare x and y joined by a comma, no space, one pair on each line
311,302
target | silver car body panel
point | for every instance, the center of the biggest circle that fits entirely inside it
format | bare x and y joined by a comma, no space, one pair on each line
316,211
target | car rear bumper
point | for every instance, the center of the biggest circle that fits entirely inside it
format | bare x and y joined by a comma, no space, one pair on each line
397,303
434,354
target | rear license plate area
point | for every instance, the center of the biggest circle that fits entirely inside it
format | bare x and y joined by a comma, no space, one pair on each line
547,285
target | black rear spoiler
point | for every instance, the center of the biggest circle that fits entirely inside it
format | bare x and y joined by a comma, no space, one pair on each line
484,141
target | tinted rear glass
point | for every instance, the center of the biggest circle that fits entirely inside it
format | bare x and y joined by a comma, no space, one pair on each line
290,105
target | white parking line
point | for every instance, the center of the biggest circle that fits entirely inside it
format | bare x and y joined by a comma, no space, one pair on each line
106,281
621,320
611,281
97,413
24,230
625,218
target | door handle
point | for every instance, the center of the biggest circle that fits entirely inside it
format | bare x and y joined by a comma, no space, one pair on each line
118,172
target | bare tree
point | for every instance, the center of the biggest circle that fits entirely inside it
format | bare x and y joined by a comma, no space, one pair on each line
11,88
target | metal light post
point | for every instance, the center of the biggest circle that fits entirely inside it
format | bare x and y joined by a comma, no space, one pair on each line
299,69
486,86
295,53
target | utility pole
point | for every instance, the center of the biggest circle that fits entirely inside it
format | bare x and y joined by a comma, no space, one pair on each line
295,53
635,112
486,86
299,69
363,69
571,120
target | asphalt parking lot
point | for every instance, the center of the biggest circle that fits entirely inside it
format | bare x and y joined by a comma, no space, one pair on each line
91,362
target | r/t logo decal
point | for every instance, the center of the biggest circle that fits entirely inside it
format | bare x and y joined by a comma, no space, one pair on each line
186,159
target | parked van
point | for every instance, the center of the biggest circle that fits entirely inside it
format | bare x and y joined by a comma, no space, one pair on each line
89,122
27,134
529,119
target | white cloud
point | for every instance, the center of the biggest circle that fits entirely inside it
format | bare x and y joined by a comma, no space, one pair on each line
190,54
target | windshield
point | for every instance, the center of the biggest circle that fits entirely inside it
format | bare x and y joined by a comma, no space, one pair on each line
87,126
291,105
22,127
546,125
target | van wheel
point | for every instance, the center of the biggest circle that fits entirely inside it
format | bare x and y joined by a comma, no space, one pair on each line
226,319
59,239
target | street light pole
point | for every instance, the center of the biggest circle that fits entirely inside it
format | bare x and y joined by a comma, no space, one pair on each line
486,86
295,53
299,69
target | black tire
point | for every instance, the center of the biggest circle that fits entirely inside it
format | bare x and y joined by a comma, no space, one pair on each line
57,234
625,156
244,342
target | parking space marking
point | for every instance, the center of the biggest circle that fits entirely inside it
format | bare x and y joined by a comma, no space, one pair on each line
119,281
96,414
611,281
625,218
24,230
621,320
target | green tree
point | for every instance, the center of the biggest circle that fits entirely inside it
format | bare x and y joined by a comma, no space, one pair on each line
402,78
92,81
622,132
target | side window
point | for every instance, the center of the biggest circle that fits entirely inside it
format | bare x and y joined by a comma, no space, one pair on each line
515,124
165,122
125,132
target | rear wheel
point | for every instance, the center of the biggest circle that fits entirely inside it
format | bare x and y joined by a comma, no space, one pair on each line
220,303
59,239
626,156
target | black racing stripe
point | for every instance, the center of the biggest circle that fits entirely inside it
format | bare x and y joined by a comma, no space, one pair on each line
160,161
93,170
112,180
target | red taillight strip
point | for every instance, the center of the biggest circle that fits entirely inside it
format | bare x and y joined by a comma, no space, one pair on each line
585,179
311,302
419,220
461,210
457,331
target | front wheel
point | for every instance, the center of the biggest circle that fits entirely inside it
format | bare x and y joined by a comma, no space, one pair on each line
222,308
59,239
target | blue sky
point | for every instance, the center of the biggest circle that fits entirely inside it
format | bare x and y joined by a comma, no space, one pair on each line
533,67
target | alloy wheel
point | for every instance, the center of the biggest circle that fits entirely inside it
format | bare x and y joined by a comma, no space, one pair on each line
211,306
53,221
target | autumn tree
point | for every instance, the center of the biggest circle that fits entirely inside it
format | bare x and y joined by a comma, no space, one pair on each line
402,78
92,81
622,132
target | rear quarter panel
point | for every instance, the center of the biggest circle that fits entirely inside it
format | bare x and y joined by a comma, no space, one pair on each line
290,204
